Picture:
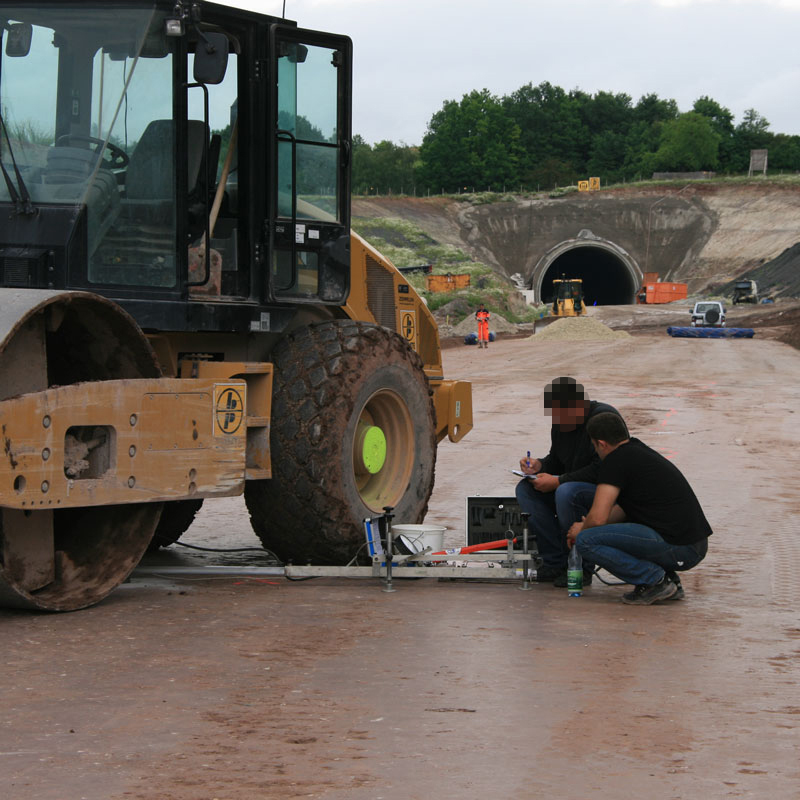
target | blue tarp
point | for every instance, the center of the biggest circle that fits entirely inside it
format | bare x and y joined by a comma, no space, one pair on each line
472,338
711,333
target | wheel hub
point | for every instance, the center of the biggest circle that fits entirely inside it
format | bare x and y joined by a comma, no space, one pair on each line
370,448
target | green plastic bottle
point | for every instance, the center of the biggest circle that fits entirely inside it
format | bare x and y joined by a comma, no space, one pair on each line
574,573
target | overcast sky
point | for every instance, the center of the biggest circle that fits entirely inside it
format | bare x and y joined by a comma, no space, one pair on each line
412,55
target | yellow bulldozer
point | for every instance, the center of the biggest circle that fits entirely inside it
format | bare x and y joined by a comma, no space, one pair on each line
184,311
568,297
567,302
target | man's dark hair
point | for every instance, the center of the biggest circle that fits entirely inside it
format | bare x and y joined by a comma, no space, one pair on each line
609,427
564,393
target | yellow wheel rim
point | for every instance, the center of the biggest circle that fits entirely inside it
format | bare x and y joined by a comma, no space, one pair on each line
383,450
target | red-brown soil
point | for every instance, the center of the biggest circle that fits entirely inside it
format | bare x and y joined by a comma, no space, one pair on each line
241,688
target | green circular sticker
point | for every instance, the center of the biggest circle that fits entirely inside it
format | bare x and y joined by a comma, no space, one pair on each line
373,449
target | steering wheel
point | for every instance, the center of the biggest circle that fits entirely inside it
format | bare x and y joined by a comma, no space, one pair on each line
113,156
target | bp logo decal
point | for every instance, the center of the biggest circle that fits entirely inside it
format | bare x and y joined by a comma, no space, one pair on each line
228,410
408,324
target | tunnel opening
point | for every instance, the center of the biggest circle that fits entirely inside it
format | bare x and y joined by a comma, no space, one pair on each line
607,279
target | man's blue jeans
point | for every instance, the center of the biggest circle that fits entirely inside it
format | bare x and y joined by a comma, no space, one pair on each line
552,514
637,554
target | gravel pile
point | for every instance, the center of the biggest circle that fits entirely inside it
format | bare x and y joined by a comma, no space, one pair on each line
577,329
497,324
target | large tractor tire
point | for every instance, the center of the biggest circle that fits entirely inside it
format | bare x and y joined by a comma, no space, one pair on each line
65,559
352,431
175,521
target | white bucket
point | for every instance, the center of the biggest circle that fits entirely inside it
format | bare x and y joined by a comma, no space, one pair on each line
418,537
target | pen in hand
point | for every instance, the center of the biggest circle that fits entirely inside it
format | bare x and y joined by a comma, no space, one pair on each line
528,461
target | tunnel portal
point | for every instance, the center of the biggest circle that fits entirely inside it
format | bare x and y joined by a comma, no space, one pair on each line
609,275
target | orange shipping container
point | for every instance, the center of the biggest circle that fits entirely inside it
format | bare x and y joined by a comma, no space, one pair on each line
665,292
446,283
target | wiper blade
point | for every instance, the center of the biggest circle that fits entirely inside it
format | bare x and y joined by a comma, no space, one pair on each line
12,190
22,198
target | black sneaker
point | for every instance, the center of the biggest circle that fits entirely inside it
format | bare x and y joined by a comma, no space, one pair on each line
647,594
679,594
561,580
547,574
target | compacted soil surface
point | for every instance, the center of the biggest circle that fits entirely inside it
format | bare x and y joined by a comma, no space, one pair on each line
236,688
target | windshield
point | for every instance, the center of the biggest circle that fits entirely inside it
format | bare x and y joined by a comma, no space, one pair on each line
88,112
307,118
567,289
701,308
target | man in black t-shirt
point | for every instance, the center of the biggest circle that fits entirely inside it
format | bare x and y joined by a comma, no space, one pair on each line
645,523
563,482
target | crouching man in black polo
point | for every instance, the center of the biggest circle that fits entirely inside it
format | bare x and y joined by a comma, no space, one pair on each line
645,524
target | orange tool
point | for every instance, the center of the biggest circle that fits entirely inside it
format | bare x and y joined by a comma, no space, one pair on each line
474,548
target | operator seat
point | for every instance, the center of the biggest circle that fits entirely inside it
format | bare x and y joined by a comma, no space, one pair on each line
150,173
142,246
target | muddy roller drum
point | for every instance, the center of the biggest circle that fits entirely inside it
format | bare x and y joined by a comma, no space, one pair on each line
51,558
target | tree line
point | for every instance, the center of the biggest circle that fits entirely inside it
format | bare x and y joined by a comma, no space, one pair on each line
542,136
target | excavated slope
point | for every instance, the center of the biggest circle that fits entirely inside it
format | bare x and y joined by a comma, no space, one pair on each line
704,234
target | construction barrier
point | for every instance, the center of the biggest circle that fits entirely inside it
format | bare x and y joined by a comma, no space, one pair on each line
664,292
446,283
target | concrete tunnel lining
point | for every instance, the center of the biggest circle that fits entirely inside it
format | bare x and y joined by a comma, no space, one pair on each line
610,276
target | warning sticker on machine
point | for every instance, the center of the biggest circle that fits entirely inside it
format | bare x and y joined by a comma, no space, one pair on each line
229,410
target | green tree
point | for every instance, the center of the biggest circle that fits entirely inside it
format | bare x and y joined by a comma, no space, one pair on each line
394,167
470,144
386,168
625,136
643,137
361,165
784,152
752,133
225,141
721,117
688,144
608,112
551,132
722,122
651,109
753,123
551,173
607,156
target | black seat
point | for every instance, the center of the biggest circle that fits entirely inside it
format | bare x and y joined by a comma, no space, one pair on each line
150,173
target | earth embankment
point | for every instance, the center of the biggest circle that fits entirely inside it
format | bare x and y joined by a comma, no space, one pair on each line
704,234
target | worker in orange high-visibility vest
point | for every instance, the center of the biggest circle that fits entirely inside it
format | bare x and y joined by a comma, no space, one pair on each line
482,315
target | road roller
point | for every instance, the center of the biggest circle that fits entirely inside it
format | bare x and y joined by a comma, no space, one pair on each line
185,313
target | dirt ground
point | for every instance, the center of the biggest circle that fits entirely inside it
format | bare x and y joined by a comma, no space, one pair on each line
240,688
779,321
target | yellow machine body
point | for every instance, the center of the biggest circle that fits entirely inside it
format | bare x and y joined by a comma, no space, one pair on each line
568,297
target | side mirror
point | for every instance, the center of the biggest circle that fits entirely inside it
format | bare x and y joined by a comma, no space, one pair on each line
18,43
294,51
211,58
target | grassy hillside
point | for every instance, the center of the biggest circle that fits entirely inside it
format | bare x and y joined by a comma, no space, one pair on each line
407,245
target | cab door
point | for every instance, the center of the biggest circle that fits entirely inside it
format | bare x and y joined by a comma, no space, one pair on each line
309,167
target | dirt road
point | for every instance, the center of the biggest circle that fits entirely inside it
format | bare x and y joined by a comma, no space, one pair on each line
258,688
